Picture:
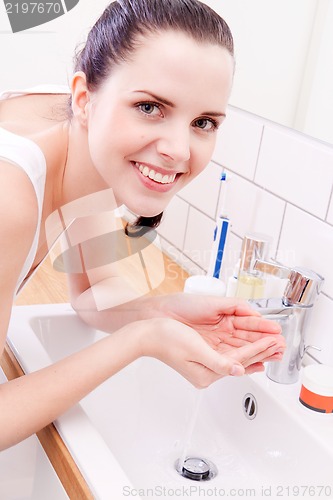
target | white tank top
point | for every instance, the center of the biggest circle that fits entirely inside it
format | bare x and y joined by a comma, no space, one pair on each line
27,155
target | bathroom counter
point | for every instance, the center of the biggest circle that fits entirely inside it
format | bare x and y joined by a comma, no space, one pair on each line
48,286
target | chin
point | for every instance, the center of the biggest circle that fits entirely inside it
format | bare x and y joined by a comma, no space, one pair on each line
145,211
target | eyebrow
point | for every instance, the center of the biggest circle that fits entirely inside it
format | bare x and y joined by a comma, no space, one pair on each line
172,105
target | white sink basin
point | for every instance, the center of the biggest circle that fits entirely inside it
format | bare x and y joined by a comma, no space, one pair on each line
127,434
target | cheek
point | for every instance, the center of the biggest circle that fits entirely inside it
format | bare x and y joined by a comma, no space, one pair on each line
125,139
108,142
202,156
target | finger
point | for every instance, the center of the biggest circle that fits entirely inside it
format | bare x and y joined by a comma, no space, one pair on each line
224,348
256,367
244,336
239,338
275,357
234,306
271,354
277,338
256,324
255,352
221,341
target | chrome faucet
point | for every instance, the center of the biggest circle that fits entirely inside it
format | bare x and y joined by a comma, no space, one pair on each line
292,311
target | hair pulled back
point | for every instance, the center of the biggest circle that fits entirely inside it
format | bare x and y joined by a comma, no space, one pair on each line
116,35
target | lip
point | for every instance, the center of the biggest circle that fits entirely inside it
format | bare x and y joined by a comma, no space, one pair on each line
151,184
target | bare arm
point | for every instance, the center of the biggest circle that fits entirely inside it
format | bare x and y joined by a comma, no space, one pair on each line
18,219
29,403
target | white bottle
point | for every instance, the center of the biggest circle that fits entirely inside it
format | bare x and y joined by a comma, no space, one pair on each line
204,285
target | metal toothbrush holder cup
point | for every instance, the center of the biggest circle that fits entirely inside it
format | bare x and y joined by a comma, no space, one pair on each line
251,283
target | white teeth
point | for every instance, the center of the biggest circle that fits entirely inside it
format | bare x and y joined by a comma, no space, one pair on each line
158,177
155,176
145,171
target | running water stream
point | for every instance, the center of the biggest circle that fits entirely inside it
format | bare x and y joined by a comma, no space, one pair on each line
195,468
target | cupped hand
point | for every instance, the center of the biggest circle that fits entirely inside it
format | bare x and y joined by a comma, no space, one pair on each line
185,350
229,325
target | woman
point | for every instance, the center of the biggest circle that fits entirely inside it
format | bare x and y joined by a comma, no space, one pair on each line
149,92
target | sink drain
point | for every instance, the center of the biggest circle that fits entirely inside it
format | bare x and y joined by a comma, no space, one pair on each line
197,469
250,406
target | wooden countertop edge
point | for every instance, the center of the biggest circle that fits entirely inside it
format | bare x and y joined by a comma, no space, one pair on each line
56,450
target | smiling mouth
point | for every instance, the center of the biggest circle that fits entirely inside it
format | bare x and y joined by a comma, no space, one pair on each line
155,176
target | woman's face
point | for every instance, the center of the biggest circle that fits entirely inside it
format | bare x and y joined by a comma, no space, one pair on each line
152,125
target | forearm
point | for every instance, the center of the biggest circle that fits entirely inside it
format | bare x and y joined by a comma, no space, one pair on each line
30,402
109,305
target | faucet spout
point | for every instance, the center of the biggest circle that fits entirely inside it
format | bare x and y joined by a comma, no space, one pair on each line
292,311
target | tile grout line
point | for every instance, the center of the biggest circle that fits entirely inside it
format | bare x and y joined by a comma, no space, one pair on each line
281,198
328,205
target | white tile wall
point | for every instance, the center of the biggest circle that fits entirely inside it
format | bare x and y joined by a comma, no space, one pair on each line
307,241
252,209
203,191
174,222
238,143
296,169
199,237
281,184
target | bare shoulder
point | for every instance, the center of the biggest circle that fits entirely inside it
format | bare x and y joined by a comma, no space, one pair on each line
15,187
18,220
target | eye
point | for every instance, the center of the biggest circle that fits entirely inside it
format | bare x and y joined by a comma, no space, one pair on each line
206,124
149,108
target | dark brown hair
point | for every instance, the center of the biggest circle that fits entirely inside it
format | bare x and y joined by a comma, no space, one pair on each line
116,34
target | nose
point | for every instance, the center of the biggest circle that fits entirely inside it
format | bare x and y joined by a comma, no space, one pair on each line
174,143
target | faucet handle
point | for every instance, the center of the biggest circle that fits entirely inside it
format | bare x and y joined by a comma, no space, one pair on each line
303,284
303,287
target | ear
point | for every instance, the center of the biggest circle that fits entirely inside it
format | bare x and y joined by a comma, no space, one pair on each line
80,97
